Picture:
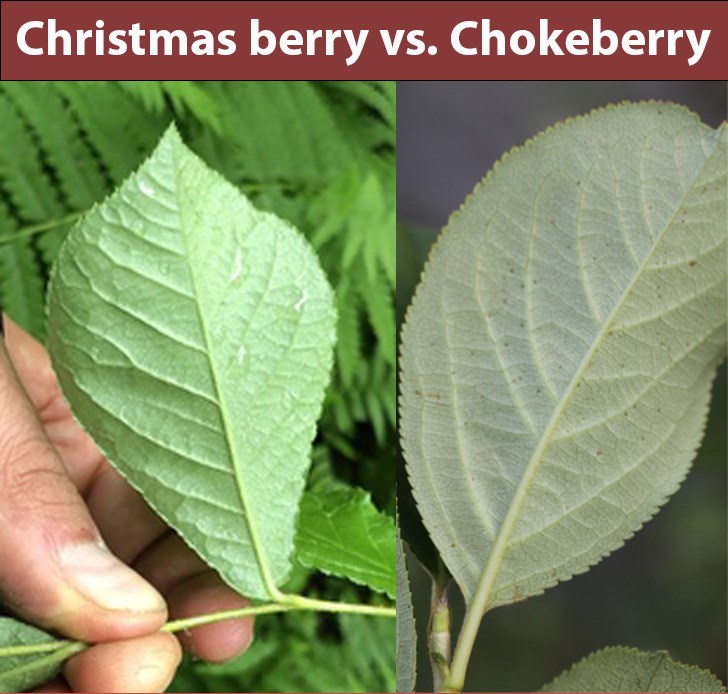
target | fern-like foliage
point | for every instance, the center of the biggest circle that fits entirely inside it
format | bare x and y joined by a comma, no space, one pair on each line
343,654
65,146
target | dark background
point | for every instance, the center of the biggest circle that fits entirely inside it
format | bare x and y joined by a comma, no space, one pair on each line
666,588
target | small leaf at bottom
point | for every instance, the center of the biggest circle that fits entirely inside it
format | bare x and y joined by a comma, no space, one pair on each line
406,635
619,669
20,672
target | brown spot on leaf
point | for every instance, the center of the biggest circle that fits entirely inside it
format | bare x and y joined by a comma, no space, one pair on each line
429,396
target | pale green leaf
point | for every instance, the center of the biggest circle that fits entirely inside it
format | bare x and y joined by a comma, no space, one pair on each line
558,355
619,669
406,634
21,671
343,534
193,336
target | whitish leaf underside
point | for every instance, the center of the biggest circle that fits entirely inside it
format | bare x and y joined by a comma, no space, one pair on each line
558,355
620,669
192,335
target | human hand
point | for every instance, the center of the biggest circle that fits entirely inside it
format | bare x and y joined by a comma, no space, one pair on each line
58,498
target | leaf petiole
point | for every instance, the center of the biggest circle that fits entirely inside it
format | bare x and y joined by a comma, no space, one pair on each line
300,602
214,617
63,649
32,648
287,603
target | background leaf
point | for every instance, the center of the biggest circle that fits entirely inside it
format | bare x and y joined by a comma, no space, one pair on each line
192,335
406,634
619,669
537,355
342,533
345,653
19,673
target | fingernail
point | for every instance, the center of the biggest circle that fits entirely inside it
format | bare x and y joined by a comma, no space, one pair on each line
98,575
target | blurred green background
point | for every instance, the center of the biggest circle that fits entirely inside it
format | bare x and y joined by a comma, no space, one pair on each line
666,588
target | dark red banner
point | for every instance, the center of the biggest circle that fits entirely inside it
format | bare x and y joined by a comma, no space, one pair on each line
364,40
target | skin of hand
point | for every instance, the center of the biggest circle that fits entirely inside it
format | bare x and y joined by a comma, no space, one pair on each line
58,498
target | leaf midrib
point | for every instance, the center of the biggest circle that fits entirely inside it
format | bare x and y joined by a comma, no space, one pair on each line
265,572
479,600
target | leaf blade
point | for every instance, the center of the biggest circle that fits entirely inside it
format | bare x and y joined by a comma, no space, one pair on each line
192,336
619,669
406,633
539,274
343,534
20,672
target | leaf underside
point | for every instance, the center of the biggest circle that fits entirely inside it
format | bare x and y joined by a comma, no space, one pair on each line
558,355
192,336
619,669
406,634
19,673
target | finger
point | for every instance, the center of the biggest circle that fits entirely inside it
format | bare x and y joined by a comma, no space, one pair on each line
77,450
125,520
192,589
144,664
54,687
55,569
206,594
169,562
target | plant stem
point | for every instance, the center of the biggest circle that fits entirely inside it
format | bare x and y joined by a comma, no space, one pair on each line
40,228
466,640
33,648
438,634
300,602
288,603
213,617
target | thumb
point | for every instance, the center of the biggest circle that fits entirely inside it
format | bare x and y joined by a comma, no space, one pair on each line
54,567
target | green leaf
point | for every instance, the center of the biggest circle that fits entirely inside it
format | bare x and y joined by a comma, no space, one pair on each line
21,288
23,175
103,111
369,653
343,534
279,131
184,95
192,336
619,669
61,144
21,671
558,355
406,633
